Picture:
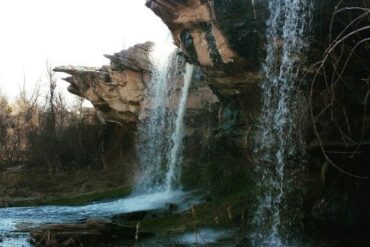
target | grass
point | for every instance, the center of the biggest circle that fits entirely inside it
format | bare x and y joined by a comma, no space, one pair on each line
81,199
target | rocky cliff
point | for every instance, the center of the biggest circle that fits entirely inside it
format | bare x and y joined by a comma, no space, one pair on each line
117,90
222,37
226,39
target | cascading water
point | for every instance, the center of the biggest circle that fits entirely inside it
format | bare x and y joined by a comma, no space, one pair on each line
157,187
173,172
159,154
152,131
159,151
277,149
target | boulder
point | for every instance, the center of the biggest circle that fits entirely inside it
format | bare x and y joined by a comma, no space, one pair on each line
142,215
117,90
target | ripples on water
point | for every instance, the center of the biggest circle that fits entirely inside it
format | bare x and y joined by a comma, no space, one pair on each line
11,217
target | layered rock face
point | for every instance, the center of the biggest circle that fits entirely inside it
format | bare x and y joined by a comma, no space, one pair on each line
221,36
226,39
116,91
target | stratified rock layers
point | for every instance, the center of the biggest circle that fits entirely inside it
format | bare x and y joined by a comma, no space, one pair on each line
116,91
221,36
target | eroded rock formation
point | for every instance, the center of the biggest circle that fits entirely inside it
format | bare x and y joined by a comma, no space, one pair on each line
223,37
226,39
116,90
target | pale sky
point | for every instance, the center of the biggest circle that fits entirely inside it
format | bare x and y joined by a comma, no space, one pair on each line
67,32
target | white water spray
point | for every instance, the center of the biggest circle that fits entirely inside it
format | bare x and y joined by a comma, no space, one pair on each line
152,131
161,134
174,169
285,45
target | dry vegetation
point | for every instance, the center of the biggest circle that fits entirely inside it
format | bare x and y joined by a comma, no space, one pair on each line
46,141
339,94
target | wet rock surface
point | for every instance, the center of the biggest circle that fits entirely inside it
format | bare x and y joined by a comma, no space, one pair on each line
225,39
92,232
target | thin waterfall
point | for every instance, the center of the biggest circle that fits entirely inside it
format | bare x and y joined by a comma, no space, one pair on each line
161,132
152,131
174,169
277,148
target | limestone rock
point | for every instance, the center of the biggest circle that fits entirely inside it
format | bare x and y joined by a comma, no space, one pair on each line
117,90
223,37
134,58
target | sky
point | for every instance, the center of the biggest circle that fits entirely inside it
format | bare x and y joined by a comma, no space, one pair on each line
67,32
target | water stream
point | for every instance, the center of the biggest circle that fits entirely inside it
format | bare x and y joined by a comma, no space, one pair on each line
11,218
160,146
286,42
162,130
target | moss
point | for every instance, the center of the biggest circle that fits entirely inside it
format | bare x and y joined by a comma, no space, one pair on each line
225,174
75,200
171,224
214,214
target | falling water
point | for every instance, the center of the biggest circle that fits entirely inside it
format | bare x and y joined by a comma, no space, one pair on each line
161,133
173,172
152,130
286,42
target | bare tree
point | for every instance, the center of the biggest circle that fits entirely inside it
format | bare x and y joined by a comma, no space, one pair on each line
24,120
50,123
17,123
5,123
343,55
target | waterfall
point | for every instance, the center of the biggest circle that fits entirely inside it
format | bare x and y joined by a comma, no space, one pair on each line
286,42
161,132
152,130
173,172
